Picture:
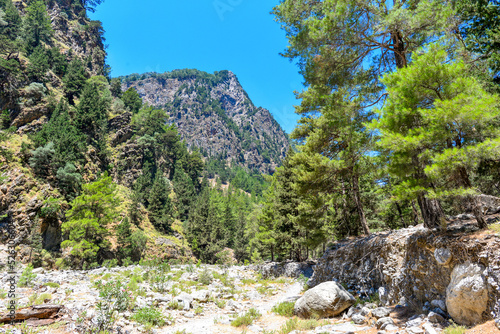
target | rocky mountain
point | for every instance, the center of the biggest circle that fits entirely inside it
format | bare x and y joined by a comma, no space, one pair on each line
213,112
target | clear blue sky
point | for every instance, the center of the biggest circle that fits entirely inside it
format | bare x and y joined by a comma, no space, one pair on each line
209,35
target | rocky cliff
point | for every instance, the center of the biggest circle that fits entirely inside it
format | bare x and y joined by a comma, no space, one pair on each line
214,113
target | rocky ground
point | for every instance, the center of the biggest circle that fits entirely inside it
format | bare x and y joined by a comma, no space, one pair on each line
195,299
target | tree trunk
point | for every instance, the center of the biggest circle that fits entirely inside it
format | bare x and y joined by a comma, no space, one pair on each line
477,211
399,49
415,212
359,205
403,224
432,213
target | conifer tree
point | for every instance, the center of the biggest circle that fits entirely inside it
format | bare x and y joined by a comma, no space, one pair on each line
184,190
68,142
91,116
160,206
39,64
116,88
87,224
74,79
132,100
437,126
37,28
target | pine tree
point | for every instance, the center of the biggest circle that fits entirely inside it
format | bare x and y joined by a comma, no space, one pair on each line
184,190
197,228
87,224
132,100
69,181
12,19
91,116
160,206
116,88
68,142
39,64
437,126
74,80
37,28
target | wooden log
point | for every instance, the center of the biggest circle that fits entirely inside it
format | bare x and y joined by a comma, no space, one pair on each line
45,311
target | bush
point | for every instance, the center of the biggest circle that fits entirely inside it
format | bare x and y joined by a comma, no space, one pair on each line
247,318
149,316
205,277
42,158
27,277
285,309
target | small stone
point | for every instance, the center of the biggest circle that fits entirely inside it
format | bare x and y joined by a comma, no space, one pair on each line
429,329
358,319
415,330
435,318
383,322
381,312
189,315
439,303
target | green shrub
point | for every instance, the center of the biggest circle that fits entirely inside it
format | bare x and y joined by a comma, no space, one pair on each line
52,284
149,316
205,277
247,318
285,309
27,277
455,329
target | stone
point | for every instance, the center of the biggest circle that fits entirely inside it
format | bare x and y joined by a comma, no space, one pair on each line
358,319
381,312
439,303
443,256
383,322
186,300
414,322
325,300
435,317
415,330
255,328
429,329
467,294
365,311
383,295
201,295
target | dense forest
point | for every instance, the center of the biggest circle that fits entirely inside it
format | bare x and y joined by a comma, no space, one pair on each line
399,126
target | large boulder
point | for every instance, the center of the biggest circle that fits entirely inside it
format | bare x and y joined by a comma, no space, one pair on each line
325,300
467,294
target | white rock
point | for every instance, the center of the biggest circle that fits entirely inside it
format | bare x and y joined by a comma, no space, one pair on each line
467,294
326,299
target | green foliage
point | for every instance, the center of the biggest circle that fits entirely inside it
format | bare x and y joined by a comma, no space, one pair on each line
69,180
38,65
160,206
91,115
284,309
74,79
455,329
246,319
114,297
67,141
27,277
87,226
36,25
149,316
205,277
436,127
116,88
41,160
131,244
36,244
132,99
57,61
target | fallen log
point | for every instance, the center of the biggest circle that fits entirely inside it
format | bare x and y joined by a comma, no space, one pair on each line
36,311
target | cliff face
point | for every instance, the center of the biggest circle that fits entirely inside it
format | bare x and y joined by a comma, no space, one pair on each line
214,113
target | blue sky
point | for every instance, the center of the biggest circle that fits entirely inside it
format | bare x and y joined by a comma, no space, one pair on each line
209,35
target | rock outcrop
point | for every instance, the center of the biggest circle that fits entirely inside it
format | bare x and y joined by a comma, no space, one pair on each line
325,300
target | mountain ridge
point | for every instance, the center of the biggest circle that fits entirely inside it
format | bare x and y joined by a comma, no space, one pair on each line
214,112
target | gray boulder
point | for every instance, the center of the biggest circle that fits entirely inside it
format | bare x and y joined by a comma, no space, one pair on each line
467,294
325,300
381,312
